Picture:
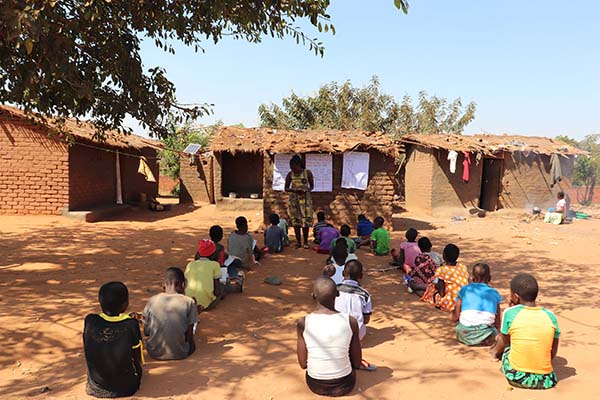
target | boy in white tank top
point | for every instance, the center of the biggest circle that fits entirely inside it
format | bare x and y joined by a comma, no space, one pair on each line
328,344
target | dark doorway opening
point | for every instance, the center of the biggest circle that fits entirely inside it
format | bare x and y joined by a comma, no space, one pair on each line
242,173
491,182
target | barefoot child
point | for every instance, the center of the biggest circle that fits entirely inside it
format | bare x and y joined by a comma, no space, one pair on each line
364,228
380,238
114,367
528,339
477,310
169,320
447,281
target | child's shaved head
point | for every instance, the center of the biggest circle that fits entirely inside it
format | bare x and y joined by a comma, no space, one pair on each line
113,298
324,291
481,273
353,270
525,286
340,253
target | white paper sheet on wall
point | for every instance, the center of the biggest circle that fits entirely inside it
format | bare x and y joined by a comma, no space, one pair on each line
321,166
355,172
281,168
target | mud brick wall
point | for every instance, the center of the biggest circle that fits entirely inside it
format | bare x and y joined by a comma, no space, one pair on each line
449,189
33,169
526,181
342,206
197,180
418,178
430,186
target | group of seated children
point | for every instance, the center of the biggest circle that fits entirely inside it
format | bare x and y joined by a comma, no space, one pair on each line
525,338
112,339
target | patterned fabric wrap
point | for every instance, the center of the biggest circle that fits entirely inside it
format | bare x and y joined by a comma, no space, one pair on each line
526,380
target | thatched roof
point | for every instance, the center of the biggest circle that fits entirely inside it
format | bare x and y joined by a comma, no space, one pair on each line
491,144
86,131
235,139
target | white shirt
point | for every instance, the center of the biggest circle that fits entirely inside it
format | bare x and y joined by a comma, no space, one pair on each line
327,338
561,206
354,301
338,277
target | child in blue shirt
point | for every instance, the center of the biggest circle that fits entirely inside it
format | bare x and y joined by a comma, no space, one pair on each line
478,310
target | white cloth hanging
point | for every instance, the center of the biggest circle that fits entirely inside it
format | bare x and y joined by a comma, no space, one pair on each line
452,156
119,189
145,170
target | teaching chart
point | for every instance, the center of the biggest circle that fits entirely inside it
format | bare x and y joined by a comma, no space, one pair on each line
321,166
355,172
281,168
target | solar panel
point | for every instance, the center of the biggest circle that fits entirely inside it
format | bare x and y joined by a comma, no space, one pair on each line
192,148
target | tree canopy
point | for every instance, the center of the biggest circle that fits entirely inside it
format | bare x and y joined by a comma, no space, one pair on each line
343,106
66,58
178,138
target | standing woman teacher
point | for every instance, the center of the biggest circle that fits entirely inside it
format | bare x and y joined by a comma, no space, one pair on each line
299,182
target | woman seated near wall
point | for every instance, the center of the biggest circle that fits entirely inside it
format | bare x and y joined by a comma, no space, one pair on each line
557,215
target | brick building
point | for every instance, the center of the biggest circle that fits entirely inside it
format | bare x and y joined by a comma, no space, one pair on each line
43,173
241,161
505,171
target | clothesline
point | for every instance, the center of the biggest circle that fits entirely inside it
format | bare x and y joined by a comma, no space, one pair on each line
124,153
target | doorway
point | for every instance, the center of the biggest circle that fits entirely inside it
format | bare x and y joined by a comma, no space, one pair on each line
491,182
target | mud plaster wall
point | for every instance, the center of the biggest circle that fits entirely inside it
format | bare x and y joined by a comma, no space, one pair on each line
526,181
33,169
342,206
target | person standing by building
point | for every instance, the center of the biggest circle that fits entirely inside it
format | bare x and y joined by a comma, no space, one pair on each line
299,182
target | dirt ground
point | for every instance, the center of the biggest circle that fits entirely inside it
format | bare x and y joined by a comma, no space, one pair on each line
51,269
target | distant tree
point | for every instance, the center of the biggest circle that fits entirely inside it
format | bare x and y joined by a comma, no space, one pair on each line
178,139
587,168
343,106
81,59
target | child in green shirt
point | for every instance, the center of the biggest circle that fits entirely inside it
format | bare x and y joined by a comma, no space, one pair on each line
380,238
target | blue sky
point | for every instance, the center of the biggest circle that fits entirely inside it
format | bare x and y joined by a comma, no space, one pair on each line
531,66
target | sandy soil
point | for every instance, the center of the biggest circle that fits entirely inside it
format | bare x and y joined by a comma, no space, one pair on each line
51,269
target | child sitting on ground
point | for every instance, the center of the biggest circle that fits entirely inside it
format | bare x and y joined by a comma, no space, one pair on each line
169,320
364,228
274,235
241,244
327,234
216,235
204,278
353,299
321,223
336,270
477,310
345,231
409,250
380,238
528,340
447,281
283,224
114,367
344,244
425,247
